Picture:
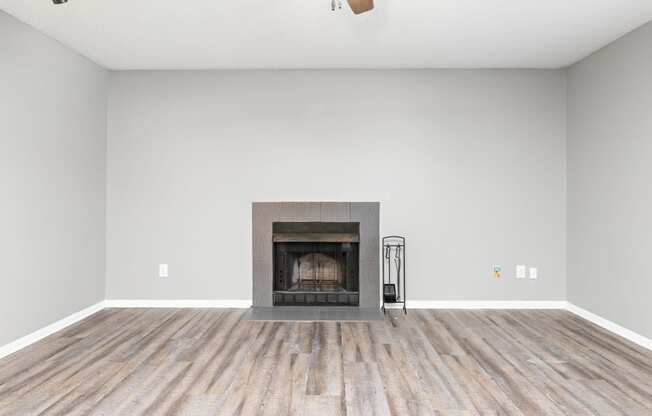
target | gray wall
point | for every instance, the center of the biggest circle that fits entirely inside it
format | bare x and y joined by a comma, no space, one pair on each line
469,165
609,174
52,180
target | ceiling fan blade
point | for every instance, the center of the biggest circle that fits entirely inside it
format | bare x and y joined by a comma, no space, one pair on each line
361,6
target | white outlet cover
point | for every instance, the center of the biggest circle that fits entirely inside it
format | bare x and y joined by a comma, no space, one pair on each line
520,271
533,273
162,270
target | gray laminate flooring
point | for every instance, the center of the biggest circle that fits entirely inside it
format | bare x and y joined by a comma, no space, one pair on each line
216,362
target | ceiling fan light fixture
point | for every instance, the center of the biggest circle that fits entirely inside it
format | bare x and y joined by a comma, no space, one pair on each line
59,1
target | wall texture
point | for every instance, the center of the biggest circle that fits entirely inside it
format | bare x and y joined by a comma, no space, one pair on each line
609,172
469,165
52,180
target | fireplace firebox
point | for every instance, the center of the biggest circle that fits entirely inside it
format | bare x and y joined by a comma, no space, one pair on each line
316,263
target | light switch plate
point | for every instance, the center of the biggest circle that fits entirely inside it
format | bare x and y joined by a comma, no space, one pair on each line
162,270
533,273
520,271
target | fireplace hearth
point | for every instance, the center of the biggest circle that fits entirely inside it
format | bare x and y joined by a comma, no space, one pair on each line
316,263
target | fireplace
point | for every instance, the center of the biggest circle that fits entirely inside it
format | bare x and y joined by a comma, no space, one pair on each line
316,263
320,254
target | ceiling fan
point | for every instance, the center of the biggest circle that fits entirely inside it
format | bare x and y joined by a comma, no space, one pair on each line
361,6
358,6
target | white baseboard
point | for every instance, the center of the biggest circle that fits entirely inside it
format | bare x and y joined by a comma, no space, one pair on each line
486,304
415,304
177,303
610,326
29,339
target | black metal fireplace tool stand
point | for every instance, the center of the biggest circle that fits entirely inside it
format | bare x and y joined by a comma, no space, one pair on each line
394,277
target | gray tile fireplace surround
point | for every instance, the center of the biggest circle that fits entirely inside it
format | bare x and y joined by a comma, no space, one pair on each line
366,213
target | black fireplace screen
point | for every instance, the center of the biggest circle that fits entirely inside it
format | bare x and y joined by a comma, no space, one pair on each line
316,264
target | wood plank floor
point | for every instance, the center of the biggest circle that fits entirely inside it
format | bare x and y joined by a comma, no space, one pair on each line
213,362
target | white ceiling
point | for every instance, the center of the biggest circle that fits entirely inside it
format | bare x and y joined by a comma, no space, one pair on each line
201,34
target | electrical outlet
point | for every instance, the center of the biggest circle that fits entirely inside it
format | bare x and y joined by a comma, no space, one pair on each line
497,271
520,271
162,270
533,273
